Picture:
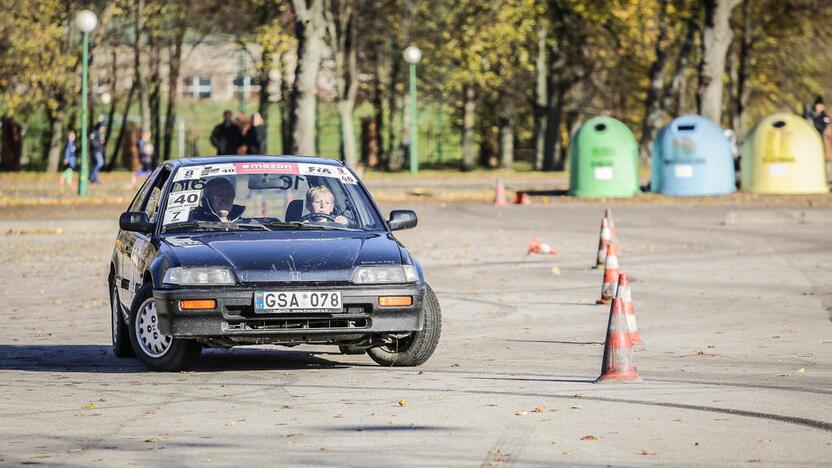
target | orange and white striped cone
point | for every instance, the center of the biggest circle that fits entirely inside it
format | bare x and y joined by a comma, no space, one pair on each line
610,276
535,246
619,364
625,293
611,224
603,242
522,198
499,193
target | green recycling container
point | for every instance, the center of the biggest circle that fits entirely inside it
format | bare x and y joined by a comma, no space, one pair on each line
603,160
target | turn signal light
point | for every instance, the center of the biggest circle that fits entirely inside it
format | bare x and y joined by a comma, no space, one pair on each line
395,301
193,304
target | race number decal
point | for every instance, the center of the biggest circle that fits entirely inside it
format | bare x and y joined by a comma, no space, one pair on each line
325,170
177,215
208,170
184,199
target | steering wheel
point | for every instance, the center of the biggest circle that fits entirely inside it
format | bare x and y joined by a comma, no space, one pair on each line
313,216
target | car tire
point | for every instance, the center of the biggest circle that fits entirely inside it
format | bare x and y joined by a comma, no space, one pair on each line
418,347
118,326
158,352
351,350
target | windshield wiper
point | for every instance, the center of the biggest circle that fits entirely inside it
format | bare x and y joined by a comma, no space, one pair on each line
214,226
299,225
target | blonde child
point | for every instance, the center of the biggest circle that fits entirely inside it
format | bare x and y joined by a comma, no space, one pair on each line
320,200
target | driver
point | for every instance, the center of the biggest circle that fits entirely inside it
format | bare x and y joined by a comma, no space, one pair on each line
320,200
218,202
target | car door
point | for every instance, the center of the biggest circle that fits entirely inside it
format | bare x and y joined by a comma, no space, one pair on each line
138,245
124,244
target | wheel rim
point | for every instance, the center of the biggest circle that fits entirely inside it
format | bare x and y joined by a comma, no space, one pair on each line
398,344
152,342
114,309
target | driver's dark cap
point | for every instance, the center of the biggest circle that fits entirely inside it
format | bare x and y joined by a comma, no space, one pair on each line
218,183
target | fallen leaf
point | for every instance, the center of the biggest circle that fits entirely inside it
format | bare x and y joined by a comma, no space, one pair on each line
647,452
801,370
539,409
556,271
402,403
521,413
755,460
590,437
89,405
154,439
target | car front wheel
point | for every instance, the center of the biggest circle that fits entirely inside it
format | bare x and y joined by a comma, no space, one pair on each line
158,352
412,349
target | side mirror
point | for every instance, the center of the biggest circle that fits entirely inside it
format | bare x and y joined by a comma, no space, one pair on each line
402,219
135,221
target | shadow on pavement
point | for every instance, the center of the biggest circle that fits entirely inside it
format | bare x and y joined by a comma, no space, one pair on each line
100,359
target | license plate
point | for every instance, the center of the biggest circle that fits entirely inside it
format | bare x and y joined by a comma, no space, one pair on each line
296,301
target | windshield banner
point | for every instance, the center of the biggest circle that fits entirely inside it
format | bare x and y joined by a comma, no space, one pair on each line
322,170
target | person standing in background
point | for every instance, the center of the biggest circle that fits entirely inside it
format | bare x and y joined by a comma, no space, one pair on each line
97,150
226,136
70,159
146,150
244,123
820,119
256,136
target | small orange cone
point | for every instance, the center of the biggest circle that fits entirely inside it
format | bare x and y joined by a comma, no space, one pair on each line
611,224
625,293
522,198
499,193
619,364
610,275
603,242
535,246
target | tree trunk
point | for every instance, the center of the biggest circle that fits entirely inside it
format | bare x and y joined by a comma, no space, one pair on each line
716,37
671,102
286,105
541,98
394,99
111,113
553,141
468,121
742,90
144,104
341,29
378,111
507,141
174,65
56,140
118,146
653,113
155,97
264,99
310,29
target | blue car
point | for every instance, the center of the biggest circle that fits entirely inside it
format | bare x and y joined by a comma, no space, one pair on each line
232,251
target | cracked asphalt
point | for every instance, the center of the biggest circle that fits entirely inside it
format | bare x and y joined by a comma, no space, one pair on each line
733,303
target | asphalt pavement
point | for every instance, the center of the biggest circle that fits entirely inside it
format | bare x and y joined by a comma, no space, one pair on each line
733,302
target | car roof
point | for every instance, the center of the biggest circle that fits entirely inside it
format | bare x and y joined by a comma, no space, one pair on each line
203,160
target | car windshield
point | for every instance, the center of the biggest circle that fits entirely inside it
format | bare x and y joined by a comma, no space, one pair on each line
267,196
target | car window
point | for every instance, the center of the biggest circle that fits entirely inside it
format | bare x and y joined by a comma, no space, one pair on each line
269,193
152,205
138,200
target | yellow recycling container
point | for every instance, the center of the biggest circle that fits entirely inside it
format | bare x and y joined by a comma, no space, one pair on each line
783,155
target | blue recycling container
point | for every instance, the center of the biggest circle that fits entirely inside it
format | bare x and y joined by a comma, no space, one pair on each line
692,157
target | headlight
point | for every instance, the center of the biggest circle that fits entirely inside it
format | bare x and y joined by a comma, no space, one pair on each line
379,274
196,276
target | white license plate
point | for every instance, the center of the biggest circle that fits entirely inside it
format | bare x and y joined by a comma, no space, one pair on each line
296,301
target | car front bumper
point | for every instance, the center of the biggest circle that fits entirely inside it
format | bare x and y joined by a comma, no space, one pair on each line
234,315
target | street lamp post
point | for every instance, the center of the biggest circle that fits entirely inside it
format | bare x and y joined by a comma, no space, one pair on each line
86,22
412,55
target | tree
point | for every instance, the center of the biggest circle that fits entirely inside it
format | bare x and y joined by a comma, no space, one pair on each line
310,29
342,30
716,38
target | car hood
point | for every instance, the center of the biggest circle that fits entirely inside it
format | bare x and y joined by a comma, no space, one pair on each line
286,256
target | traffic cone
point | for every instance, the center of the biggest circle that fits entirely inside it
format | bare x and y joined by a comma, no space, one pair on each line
603,242
499,193
625,293
611,224
610,276
535,246
618,365
522,198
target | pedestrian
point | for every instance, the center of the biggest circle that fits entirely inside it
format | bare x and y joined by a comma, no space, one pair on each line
256,136
820,119
244,123
70,159
226,136
146,151
97,148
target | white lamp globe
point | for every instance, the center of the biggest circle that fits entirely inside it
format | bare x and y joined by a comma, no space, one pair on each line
412,54
86,21
106,98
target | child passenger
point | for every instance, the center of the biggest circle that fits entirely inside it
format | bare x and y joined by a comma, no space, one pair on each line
320,200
